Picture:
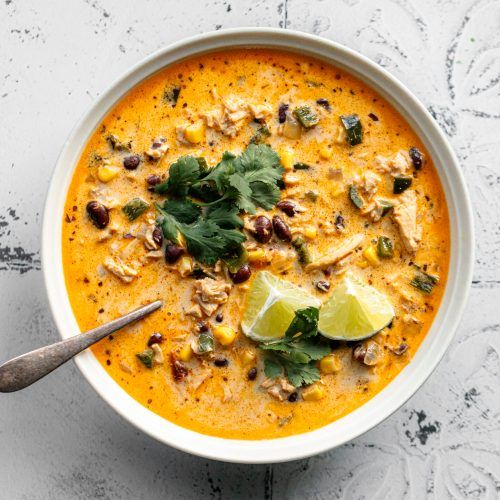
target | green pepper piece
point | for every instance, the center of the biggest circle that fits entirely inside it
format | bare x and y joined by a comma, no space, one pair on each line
355,197
401,183
134,208
301,166
205,342
353,129
386,206
302,251
260,135
385,249
424,282
306,117
146,357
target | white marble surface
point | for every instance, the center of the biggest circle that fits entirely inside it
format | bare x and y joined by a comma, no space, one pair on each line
58,440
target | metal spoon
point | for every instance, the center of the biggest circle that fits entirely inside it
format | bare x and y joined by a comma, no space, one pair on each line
24,370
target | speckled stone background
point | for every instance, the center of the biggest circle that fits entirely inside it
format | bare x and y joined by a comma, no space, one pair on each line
58,440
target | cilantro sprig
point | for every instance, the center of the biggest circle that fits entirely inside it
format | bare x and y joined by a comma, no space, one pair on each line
295,355
204,204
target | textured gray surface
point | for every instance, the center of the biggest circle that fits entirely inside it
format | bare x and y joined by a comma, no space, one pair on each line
58,440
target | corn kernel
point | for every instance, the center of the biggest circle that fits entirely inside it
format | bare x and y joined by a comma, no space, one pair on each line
363,264
224,334
106,173
287,159
185,352
330,364
370,254
310,232
248,357
185,266
313,393
257,256
195,133
326,152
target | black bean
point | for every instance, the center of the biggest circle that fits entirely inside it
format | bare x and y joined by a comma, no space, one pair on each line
173,253
282,112
263,229
281,229
131,162
152,180
219,318
324,103
287,207
221,362
339,222
241,275
323,286
293,397
202,327
158,236
156,338
98,213
373,116
417,158
252,374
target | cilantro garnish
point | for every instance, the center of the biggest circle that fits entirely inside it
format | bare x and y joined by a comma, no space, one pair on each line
204,204
296,353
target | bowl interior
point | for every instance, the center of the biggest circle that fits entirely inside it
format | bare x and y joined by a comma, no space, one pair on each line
433,346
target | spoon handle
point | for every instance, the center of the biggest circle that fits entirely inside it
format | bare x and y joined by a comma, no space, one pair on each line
22,371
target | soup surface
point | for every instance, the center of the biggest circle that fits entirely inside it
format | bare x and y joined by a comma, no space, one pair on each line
334,189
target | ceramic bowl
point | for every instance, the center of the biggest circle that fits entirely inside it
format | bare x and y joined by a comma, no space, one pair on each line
430,352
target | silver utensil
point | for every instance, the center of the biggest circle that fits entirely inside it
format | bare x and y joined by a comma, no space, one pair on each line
24,370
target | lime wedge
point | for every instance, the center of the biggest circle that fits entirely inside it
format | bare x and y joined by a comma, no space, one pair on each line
355,311
271,305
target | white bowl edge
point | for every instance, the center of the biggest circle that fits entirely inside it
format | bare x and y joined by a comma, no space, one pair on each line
433,347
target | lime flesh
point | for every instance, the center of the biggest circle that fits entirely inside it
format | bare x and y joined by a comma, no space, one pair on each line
355,311
271,306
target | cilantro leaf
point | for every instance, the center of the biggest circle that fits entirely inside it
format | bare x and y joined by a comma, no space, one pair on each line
183,210
181,175
225,216
259,157
265,195
305,323
220,174
272,369
168,225
300,351
300,375
241,192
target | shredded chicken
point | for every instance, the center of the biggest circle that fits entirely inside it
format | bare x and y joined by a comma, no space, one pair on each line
232,112
157,149
412,325
101,194
397,164
210,294
149,242
337,254
107,233
124,367
228,395
121,270
405,215
195,311
279,388
158,357
369,184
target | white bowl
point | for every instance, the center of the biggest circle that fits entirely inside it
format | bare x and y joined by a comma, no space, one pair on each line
437,339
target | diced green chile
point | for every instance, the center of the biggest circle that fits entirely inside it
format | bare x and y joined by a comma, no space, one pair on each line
385,249
134,208
386,206
353,129
401,183
424,282
146,357
205,342
301,166
260,135
355,197
306,117
302,251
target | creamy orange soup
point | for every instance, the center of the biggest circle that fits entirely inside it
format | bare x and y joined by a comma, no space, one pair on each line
343,193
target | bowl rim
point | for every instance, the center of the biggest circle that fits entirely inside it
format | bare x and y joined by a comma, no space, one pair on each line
433,347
